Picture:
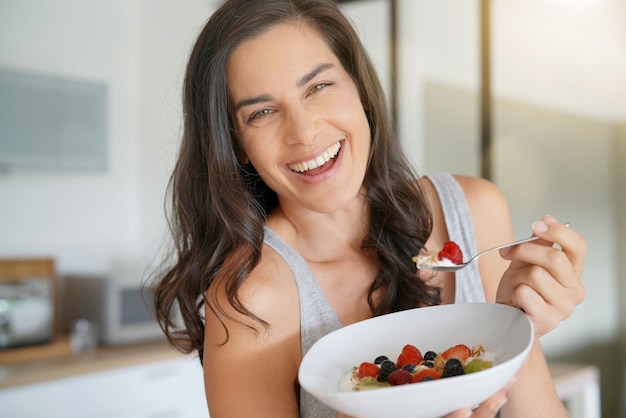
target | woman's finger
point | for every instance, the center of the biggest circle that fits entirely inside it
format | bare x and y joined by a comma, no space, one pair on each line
548,271
573,244
487,409
491,406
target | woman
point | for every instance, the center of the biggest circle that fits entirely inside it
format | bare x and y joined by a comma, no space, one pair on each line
295,213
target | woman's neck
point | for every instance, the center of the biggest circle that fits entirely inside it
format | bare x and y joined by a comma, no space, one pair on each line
322,236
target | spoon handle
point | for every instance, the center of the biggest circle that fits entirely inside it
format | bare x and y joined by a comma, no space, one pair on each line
510,244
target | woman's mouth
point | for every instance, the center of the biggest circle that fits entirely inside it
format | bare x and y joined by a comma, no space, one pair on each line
304,166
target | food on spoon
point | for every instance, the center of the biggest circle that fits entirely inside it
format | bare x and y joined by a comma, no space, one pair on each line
450,255
383,372
452,252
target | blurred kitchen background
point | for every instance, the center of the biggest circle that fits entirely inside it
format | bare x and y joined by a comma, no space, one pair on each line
94,204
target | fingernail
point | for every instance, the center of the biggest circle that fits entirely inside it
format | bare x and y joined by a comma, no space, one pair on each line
540,227
504,251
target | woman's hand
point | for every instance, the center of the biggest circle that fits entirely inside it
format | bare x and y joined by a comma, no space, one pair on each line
544,280
487,409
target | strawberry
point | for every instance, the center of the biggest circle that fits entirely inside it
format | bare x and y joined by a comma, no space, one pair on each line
428,374
452,252
460,352
367,370
410,355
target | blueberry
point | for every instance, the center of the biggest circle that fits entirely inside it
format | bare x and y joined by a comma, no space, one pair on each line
428,364
453,367
430,355
380,359
409,368
386,368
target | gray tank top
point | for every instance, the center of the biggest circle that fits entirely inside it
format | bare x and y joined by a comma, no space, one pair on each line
317,318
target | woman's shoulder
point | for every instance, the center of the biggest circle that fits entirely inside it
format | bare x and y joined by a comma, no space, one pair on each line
492,223
271,283
488,208
481,192
267,291
483,196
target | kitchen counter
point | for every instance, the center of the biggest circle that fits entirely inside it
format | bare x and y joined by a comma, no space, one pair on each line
55,360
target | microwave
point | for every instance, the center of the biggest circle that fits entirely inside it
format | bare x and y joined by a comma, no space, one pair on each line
120,308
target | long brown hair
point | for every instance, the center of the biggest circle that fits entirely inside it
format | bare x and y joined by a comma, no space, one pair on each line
219,204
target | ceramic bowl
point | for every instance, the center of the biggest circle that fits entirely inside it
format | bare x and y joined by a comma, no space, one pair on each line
502,329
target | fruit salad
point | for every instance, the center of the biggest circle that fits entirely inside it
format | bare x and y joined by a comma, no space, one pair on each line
412,366
450,255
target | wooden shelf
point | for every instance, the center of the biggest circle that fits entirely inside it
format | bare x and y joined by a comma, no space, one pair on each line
36,364
58,347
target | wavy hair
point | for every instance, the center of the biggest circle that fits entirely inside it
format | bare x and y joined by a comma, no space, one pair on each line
219,204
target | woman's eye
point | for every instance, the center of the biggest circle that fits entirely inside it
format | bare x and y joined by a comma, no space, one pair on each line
318,87
260,114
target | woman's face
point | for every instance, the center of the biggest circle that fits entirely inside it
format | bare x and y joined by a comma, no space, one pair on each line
299,118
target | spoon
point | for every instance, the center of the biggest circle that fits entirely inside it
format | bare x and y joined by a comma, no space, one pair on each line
471,260
457,267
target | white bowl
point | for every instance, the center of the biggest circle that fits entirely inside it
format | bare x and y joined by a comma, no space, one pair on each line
499,328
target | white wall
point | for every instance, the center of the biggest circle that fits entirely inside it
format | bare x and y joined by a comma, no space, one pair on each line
371,20
82,220
438,40
556,163
167,34
569,55
564,54
93,222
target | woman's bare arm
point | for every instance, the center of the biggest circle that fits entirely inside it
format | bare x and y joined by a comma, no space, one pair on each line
254,373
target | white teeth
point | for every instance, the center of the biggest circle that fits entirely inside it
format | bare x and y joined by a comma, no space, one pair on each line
326,156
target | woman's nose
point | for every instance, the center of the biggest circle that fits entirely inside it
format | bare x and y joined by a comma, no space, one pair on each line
303,126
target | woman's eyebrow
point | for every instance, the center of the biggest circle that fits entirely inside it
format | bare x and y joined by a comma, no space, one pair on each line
311,74
252,101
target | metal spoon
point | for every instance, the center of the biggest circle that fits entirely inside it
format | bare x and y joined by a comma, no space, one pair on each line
471,260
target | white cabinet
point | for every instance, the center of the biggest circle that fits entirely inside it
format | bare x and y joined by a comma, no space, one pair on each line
171,388
578,386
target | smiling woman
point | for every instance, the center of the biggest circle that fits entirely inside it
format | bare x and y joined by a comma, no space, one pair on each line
295,212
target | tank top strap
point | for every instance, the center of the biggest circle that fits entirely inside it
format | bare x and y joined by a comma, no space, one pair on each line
469,287
317,317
